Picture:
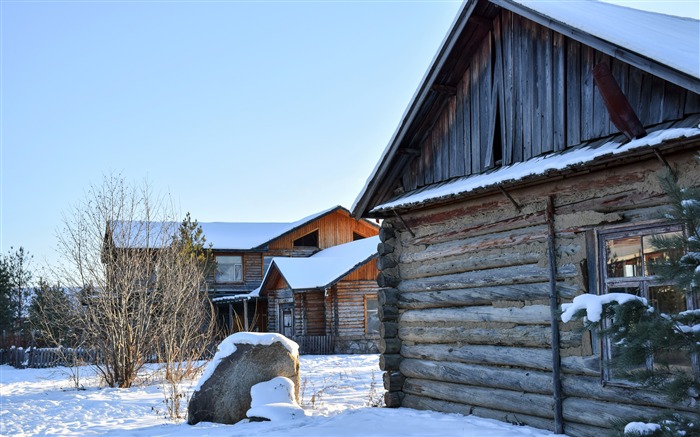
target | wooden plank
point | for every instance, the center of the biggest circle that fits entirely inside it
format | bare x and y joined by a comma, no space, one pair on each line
692,103
587,93
482,295
574,92
673,102
527,315
645,100
458,158
453,140
475,99
518,82
508,106
488,115
558,92
527,82
601,118
528,358
467,120
539,88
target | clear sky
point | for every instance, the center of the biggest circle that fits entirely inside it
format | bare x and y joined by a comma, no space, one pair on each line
241,110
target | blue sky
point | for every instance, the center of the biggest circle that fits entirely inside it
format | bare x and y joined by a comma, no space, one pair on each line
241,111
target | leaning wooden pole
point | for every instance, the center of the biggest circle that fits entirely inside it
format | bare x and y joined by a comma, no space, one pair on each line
554,310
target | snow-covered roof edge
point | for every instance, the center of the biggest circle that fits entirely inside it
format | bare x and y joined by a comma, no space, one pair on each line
536,166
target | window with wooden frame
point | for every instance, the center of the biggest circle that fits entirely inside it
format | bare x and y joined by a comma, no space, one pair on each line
229,269
371,315
627,261
308,240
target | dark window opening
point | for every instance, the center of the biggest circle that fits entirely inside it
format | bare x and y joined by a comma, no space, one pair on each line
356,236
497,141
308,240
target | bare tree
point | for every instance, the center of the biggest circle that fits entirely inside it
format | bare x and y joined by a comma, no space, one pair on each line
122,250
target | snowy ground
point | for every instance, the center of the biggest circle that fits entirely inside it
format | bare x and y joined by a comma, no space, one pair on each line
336,392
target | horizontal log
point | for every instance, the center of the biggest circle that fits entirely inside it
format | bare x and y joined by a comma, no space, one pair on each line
490,224
530,314
525,274
385,262
389,329
387,279
524,336
603,414
385,249
386,233
424,403
471,261
393,381
529,381
507,400
388,296
477,244
389,345
591,388
389,362
393,399
482,295
388,313
528,358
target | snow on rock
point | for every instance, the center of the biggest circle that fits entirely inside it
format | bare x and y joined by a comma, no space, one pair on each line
641,428
593,304
228,346
274,400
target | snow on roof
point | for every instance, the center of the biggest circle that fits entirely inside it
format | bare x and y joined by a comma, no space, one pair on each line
222,235
533,167
327,266
667,39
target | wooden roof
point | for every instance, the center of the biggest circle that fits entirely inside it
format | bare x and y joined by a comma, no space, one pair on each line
473,22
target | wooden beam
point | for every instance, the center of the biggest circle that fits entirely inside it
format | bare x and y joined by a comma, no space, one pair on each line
621,113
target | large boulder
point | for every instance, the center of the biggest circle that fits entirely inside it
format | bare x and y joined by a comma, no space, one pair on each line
242,361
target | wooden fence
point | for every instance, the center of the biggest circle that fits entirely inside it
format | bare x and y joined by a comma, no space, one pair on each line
45,357
315,344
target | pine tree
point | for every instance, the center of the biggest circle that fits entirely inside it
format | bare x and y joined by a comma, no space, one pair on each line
192,242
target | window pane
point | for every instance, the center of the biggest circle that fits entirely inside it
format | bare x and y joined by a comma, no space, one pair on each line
666,299
624,257
372,316
656,255
229,269
629,289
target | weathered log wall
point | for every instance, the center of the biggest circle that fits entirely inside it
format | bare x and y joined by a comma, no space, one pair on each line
465,316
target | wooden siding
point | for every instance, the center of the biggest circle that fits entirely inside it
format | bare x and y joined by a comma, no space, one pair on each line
469,304
351,306
529,90
252,275
334,229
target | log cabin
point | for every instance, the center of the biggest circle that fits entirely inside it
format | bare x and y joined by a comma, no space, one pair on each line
327,302
242,251
525,172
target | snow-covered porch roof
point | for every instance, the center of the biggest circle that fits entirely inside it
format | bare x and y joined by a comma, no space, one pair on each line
324,268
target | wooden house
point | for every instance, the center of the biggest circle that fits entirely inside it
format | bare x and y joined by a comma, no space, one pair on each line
327,302
524,173
242,252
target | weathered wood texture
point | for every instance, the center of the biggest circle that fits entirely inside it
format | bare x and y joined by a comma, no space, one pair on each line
470,305
333,229
252,275
528,90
